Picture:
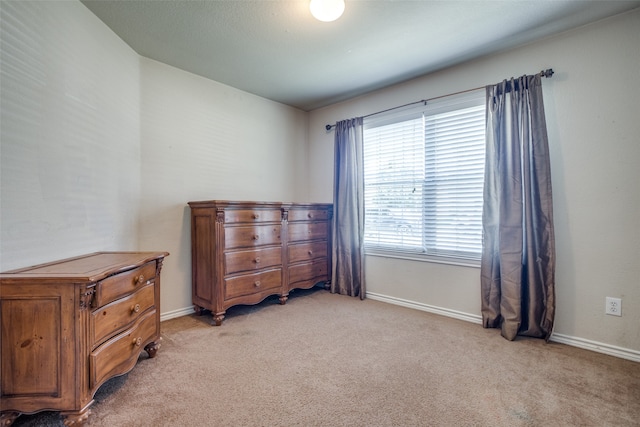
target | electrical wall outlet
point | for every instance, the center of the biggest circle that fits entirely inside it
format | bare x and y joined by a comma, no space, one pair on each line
613,306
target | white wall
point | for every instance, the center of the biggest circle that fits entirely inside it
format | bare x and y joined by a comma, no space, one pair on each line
102,149
592,106
202,140
70,128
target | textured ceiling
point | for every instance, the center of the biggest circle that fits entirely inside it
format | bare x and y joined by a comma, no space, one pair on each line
277,50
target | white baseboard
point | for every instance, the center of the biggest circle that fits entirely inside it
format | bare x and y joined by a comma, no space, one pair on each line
611,350
176,313
425,307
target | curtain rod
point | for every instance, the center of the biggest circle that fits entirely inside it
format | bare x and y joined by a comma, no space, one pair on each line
544,73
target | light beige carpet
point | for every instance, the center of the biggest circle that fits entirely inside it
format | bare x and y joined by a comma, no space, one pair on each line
330,360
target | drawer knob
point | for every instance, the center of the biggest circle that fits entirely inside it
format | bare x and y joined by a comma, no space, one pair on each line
140,279
255,236
309,215
137,341
135,308
256,260
257,283
255,216
310,252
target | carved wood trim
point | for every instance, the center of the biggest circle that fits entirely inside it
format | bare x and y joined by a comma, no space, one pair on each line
159,266
220,215
86,296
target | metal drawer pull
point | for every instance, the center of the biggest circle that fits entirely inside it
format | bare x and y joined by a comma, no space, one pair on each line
139,279
257,283
310,252
257,260
137,341
135,308
255,216
309,215
255,237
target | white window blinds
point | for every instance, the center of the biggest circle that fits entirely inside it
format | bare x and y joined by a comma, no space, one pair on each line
423,174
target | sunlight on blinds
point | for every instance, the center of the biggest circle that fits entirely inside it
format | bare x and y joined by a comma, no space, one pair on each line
423,174
393,184
454,181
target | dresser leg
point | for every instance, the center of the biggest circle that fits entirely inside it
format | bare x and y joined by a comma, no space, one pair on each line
218,318
283,299
199,310
152,348
7,418
76,418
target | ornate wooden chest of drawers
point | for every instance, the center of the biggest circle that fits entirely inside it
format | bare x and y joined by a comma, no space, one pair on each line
69,326
243,252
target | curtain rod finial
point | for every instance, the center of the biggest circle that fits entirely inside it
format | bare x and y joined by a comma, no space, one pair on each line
328,127
547,73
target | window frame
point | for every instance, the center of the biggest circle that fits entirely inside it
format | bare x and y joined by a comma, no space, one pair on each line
436,106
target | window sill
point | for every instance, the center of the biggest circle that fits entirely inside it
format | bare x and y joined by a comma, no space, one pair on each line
424,258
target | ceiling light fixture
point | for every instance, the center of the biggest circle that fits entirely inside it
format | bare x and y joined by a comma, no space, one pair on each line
326,10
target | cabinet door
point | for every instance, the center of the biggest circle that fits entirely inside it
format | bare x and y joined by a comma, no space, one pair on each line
38,338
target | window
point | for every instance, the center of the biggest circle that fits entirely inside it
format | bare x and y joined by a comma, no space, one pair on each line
423,177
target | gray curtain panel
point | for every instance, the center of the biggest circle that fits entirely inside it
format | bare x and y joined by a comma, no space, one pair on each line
347,276
518,257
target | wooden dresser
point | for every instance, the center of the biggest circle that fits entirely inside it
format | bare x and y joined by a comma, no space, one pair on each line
243,252
69,326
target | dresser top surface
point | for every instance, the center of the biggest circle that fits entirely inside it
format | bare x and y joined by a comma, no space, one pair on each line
90,267
252,204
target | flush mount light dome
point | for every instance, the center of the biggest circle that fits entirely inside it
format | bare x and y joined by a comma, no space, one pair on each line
326,10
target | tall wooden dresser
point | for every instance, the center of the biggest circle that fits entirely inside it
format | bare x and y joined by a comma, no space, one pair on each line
243,252
69,326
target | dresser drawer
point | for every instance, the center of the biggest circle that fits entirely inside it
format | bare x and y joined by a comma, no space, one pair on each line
315,271
252,215
250,236
307,231
252,260
120,354
307,251
248,284
308,215
119,285
113,317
